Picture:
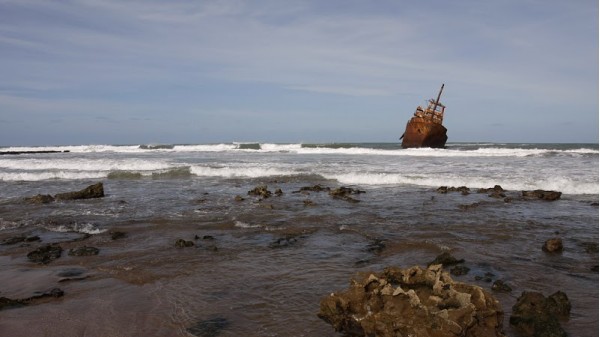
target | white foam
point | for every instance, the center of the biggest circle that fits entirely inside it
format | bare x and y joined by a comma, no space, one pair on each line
241,224
239,172
85,228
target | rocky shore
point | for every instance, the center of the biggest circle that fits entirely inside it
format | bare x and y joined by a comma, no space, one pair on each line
398,301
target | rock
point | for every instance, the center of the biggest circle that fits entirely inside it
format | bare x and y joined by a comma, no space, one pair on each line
181,243
13,240
40,199
537,316
308,202
459,270
468,207
316,188
464,190
45,254
553,245
283,242
239,198
7,303
344,193
376,246
412,302
500,286
92,191
209,328
117,235
278,192
590,247
84,251
445,259
541,194
260,191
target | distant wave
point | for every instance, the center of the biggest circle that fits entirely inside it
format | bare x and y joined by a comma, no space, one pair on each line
383,149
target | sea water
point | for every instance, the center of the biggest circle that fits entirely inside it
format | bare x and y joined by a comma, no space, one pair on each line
259,267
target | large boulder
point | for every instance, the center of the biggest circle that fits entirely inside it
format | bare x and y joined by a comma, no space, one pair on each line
412,302
541,194
92,191
537,316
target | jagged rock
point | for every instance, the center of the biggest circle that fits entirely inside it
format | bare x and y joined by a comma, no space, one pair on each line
260,191
553,245
541,194
445,259
412,302
92,191
84,251
45,254
538,316
40,199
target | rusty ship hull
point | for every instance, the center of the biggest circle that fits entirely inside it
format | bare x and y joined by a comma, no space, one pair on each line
423,133
425,128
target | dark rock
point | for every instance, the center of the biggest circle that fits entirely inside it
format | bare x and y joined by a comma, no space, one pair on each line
487,277
32,238
239,198
412,302
500,286
308,202
45,254
92,191
376,246
84,251
260,191
181,243
553,245
315,188
278,192
208,237
459,270
40,199
445,259
594,204
590,247
13,240
469,206
283,242
594,269
209,328
541,194
7,303
537,316
344,193
117,235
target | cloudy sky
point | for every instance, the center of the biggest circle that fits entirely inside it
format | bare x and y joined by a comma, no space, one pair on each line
182,71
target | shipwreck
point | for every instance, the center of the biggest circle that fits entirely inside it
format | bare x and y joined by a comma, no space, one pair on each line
425,128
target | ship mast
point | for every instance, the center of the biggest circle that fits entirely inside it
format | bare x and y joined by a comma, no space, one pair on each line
437,101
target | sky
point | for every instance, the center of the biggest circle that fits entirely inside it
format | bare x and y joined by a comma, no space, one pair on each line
187,72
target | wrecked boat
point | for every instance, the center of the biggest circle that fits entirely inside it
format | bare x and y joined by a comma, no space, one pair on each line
425,128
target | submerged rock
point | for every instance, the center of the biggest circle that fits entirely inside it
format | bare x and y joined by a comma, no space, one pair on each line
344,193
181,243
209,328
115,235
538,316
446,259
260,191
7,303
45,254
553,245
40,199
541,194
92,191
84,251
412,302
500,286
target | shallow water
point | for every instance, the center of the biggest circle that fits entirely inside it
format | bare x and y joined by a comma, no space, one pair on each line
260,267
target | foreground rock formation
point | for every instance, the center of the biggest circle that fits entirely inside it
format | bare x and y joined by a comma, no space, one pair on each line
412,302
90,192
538,316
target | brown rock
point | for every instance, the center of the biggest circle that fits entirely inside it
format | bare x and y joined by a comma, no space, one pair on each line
553,245
537,316
412,302
40,199
92,191
541,194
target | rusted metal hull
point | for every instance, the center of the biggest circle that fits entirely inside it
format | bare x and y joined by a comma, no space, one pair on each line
424,133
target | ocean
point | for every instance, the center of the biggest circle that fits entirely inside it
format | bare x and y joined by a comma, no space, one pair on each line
259,266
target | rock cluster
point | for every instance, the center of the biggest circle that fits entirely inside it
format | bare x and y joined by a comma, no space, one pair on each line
541,194
260,191
412,302
92,191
